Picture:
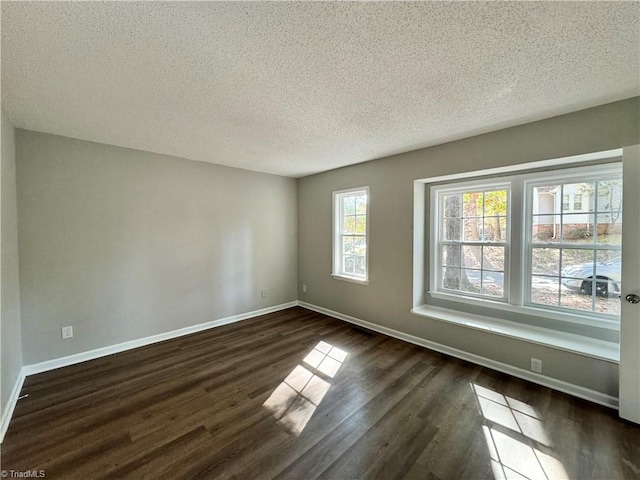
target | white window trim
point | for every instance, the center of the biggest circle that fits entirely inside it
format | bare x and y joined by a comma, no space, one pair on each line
456,316
436,279
336,252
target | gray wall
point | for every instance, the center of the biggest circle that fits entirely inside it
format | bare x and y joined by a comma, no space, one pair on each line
10,330
123,244
388,298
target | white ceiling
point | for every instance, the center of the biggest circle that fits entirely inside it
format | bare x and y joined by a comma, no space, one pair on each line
299,88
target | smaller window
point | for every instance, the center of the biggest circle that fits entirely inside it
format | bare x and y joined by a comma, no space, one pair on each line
577,201
350,239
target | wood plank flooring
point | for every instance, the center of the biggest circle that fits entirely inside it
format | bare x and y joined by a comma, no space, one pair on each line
298,395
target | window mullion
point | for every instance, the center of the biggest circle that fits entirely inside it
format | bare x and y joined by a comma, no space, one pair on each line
514,275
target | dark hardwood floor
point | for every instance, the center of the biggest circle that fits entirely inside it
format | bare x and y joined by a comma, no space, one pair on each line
298,395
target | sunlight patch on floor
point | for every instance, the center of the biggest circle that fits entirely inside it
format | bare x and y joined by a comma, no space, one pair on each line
294,401
326,358
518,444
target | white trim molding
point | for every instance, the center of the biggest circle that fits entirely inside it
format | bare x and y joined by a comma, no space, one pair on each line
120,347
10,406
553,383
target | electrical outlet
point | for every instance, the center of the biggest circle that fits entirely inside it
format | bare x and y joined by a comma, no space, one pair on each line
263,294
536,365
67,332
304,288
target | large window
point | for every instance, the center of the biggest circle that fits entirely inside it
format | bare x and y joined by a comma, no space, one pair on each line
547,241
574,253
350,230
473,239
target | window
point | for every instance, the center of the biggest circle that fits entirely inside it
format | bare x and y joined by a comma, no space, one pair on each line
574,258
572,201
577,201
473,240
534,241
350,226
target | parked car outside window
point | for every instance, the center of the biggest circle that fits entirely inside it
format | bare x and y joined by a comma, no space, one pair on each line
580,277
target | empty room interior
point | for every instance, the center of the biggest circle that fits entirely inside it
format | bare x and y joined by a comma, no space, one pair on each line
329,240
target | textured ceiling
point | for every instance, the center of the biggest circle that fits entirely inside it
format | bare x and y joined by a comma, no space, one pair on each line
298,88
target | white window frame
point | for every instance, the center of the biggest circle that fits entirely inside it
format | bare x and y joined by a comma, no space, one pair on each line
338,212
517,275
574,175
437,240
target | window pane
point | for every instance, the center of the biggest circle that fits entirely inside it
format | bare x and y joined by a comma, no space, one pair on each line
610,305
349,205
545,198
612,256
349,225
347,244
471,256
608,286
451,255
361,224
451,278
576,193
577,263
472,204
610,195
546,228
545,290
495,229
545,261
452,206
359,265
493,284
349,264
610,228
471,229
495,203
577,228
470,281
452,228
609,267
359,246
361,204
493,258
575,300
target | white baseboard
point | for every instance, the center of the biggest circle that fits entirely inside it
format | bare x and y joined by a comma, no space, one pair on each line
10,406
560,385
141,342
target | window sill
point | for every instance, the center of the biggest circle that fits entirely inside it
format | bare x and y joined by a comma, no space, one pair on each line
569,342
346,278
579,318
